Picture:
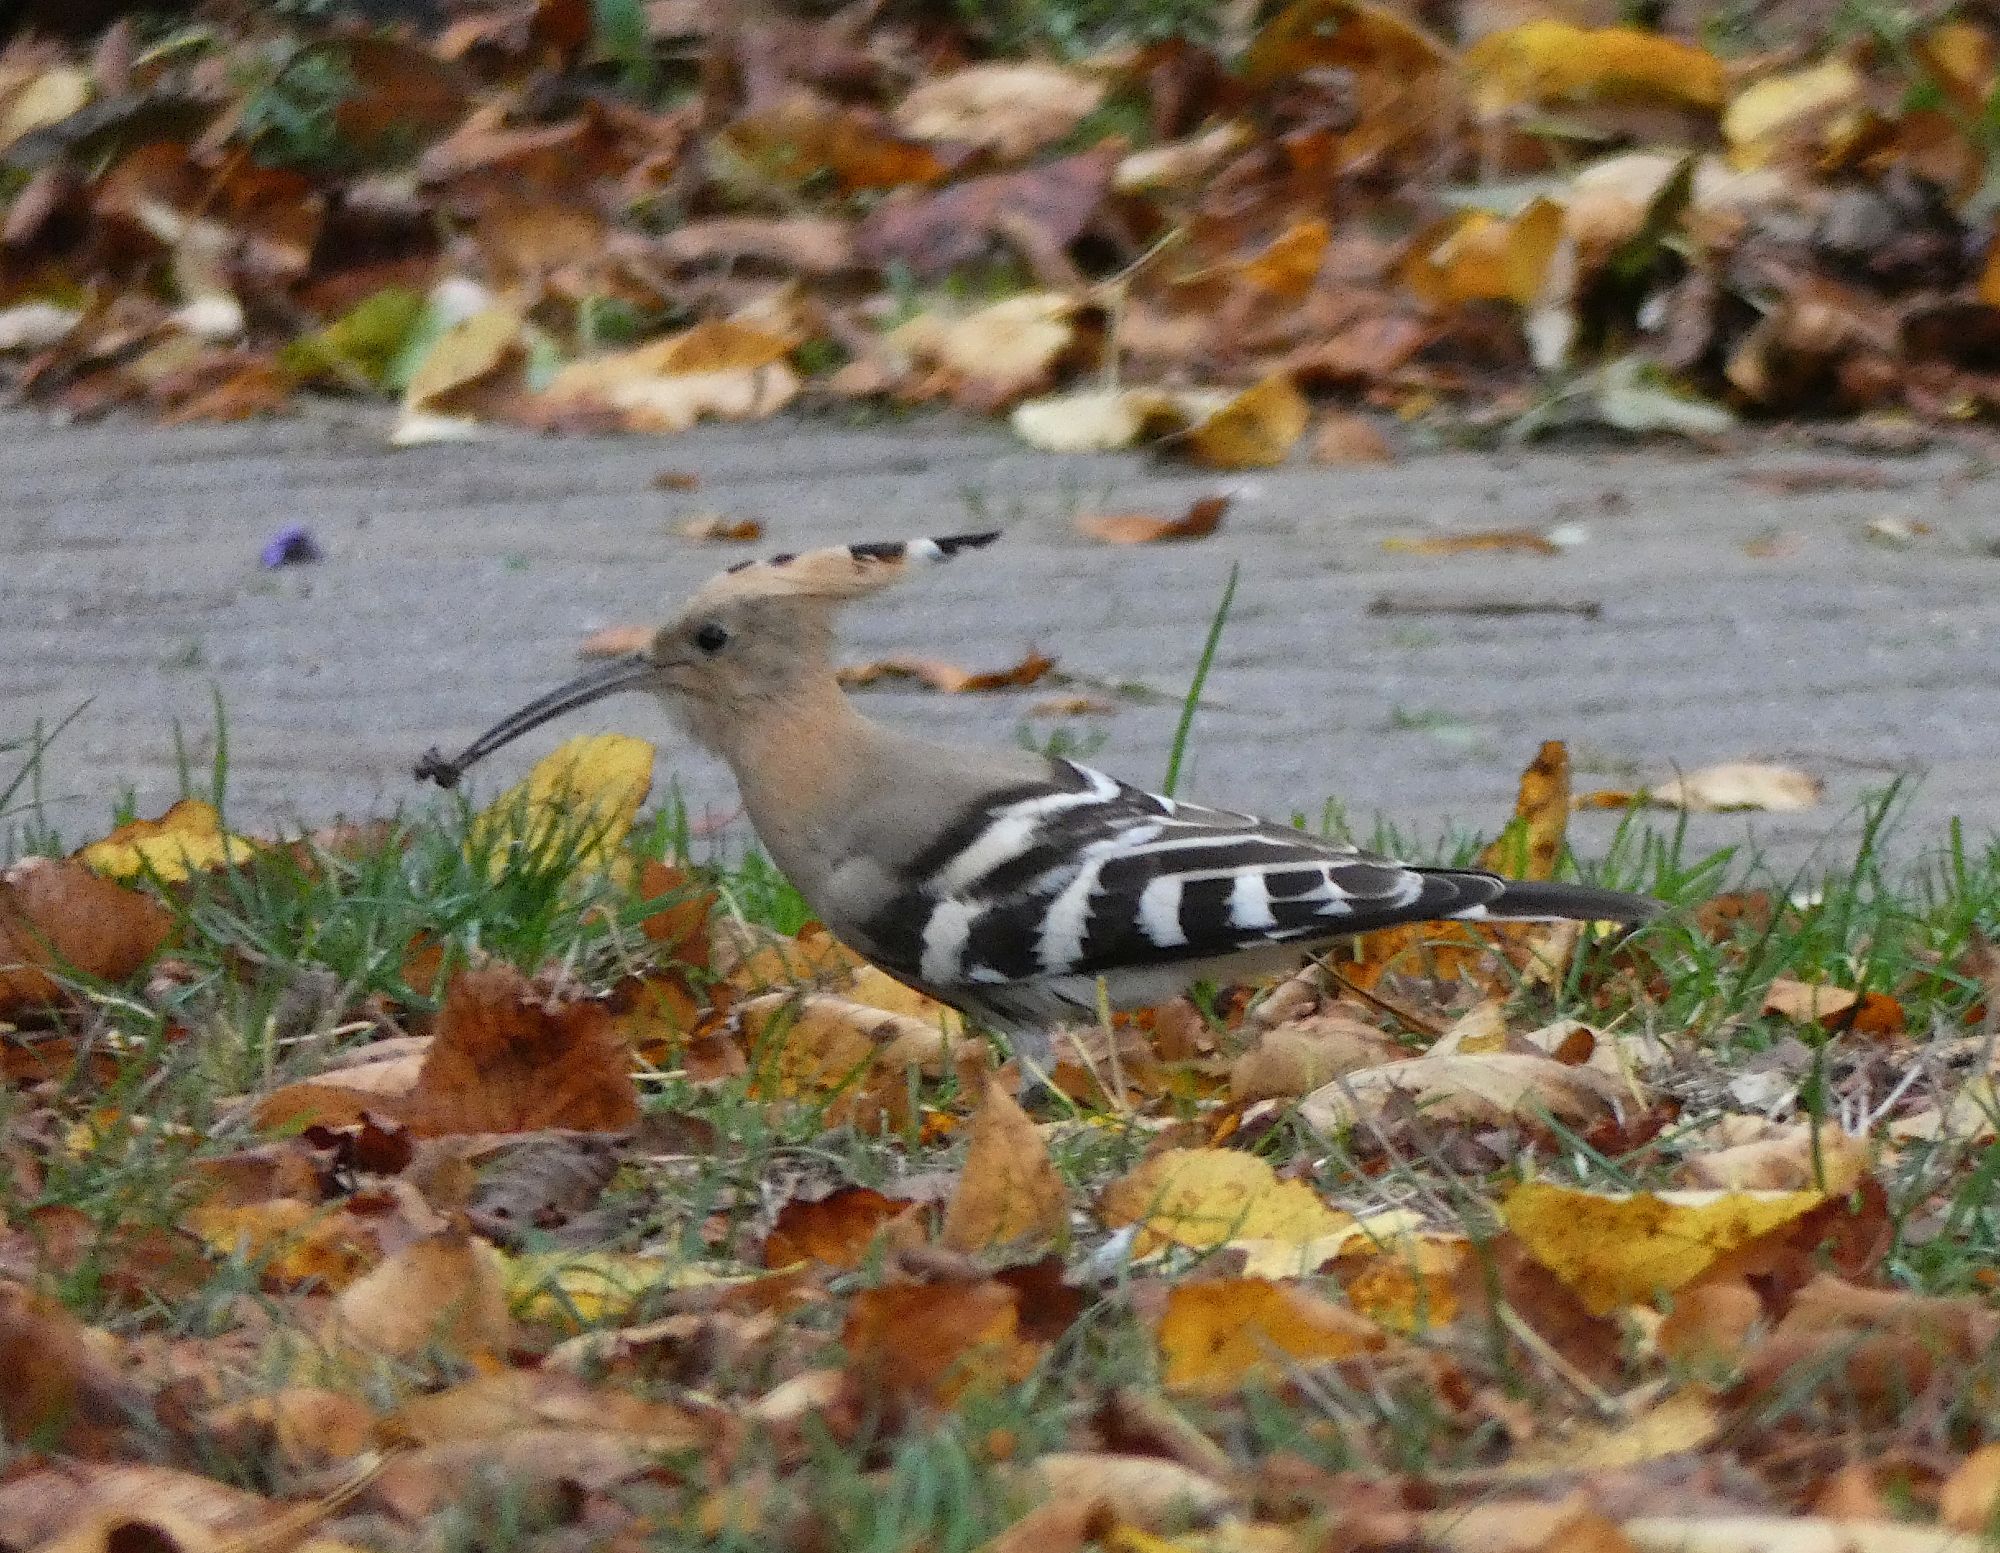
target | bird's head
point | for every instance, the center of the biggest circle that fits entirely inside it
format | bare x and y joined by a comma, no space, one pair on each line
749,639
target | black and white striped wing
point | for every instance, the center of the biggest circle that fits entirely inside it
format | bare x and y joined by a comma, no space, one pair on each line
1089,876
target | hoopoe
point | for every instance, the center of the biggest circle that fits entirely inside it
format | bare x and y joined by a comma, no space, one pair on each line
1003,883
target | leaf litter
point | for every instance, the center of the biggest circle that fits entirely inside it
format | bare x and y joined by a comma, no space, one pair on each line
540,1235
534,216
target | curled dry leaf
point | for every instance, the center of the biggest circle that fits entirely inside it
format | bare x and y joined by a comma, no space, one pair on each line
1301,1055
1531,845
713,526
1216,1333
996,354
1467,1089
1350,439
813,1042
57,917
1257,429
1477,540
1834,1008
1731,785
1010,1190
1201,519
933,674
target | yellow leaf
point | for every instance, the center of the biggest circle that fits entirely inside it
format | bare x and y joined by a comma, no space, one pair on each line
187,839
721,369
1212,1197
1549,62
1008,347
1097,420
1215,1333
445,1292
878,989
1617,1249
1407,1283
292,1241
584,1288
1767,114
1683,1420
578,802
1476,1088
1255,430
472,352
1010,1190
1531,845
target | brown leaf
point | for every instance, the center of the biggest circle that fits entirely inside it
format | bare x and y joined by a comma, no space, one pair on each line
1350,439
1010,1190
58,916
1149,1492
446,1293
1301,1055
936,233
1476,540
937,1342
1467,1089
1255,430
841,1228
1201,519
714,526
64,1390
1531,846
1011,108
934,674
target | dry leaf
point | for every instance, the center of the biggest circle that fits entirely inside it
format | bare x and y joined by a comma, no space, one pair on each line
446,1293
1350,439
948,677
58,917
1301,1055
1255,430
714,526
1011,108
840,1229
1531,846
1475,541
1629,1248
1211,1197
718,370
1201,519
1466,1089
577,804
1732,785
1148,1492
1216,1333
938,1342
1010,1190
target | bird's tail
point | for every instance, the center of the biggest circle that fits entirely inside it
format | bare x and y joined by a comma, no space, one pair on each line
1542,900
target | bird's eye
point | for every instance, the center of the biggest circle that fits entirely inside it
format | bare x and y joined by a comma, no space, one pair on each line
711,637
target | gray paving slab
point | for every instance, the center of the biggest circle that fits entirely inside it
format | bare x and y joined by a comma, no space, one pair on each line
1736,621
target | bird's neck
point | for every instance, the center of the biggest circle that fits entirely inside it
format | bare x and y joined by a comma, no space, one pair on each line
803,761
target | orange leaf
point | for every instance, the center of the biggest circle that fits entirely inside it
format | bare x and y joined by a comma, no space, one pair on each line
937,1342
948,677
1010,1190
1215,1334
1203,518
58,915
838,1229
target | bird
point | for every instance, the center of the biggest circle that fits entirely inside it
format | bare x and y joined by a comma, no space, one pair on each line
1023,890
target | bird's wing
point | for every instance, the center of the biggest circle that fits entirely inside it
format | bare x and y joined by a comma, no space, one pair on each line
1086,875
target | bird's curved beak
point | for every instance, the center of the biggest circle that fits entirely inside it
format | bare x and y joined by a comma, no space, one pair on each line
627,673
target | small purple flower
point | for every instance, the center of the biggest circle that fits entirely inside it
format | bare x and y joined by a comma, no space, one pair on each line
292,545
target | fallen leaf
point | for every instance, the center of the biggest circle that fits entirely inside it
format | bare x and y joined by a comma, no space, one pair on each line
1546,62
1099,420
1835,1008
1011,108
1201,519
935,233
718,370
65,1390
1255,430
1147,1492
1628,1248
186,840
1467,1089
1968,1499
1737,785
938,1342
1301,1055
841,1228
446,1293
58,917
575,808
1206,1198
1350,439
1475,541
1217,1333
715,527
1532,844
994,354
1009,1191
934,674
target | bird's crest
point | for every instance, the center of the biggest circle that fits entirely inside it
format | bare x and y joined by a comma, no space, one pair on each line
837,572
